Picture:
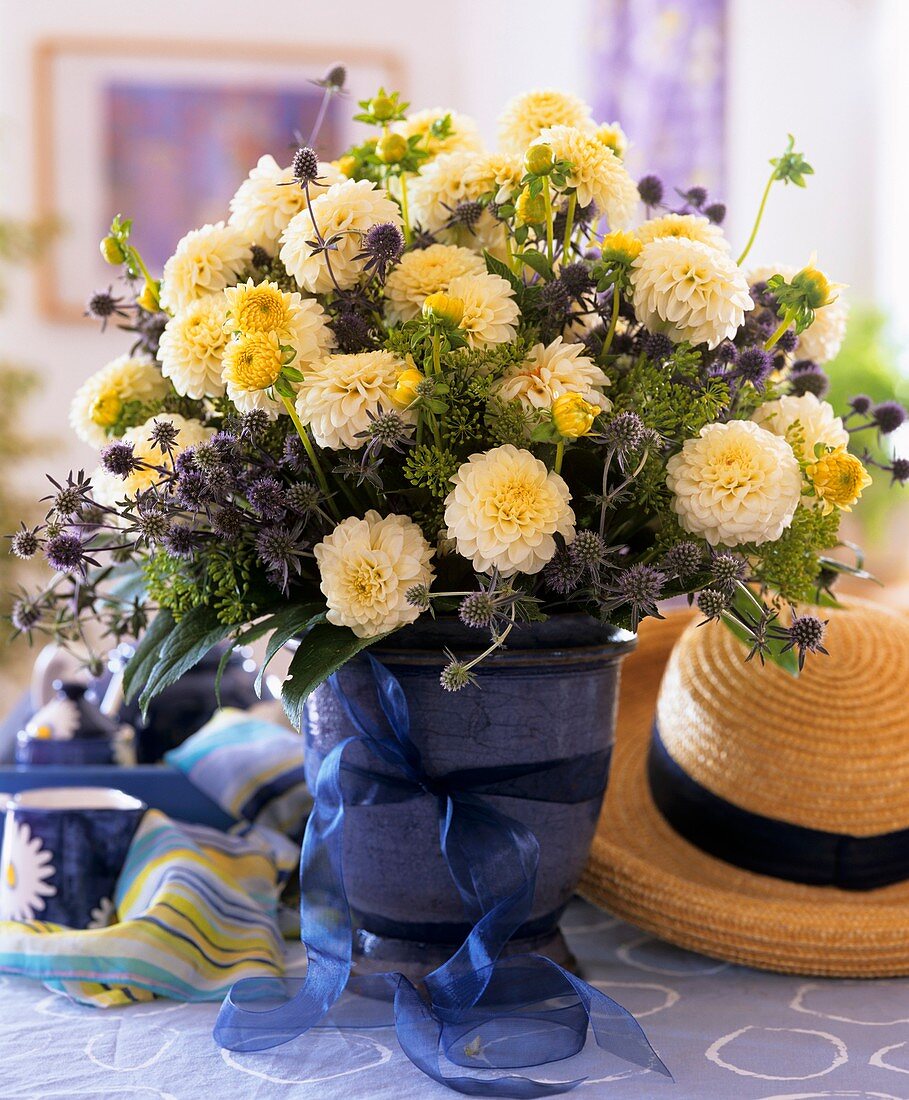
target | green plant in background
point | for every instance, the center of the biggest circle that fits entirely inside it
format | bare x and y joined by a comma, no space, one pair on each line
868,363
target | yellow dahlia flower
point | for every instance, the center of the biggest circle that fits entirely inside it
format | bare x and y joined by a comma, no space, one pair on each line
573,416
490,312
297,322
823,338
99,401
436,193
366,567
423,272
621,247
689,291
206,261
496,172
804,422
527,115
505,510
692,227
339,392
735,483
192,345
251,365
268,198
549,372
838,479
464,133
443,307
612,135
109,488
344,212
596,173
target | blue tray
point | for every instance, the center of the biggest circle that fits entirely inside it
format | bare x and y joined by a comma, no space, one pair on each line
158,785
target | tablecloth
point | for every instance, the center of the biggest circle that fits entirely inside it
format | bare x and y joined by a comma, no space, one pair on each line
726,1032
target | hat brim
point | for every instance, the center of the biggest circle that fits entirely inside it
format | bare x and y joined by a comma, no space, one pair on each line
643,871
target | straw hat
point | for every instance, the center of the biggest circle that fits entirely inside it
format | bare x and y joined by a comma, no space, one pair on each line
771,778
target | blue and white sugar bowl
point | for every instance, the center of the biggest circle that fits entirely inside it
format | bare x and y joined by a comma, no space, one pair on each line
72,730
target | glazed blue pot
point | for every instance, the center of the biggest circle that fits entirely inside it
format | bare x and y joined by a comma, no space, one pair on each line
550,695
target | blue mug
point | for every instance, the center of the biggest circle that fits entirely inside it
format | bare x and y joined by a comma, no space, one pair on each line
63,850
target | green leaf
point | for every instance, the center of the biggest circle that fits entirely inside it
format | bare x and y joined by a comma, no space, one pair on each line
287,624
191,638
538,262
749,606
246,637
145,657
496,267
323,651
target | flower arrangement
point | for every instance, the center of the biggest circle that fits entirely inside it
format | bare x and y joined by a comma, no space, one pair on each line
430,378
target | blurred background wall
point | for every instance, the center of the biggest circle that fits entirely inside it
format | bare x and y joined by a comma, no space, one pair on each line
826,70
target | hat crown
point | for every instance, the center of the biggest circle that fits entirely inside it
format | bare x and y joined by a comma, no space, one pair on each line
828,750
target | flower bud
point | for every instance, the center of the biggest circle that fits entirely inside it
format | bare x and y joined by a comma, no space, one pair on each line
815,287
444,307
346,165
148,299
621,247
382,107
538,160
391,148
112,251
530,209
613,137
405,389
573,416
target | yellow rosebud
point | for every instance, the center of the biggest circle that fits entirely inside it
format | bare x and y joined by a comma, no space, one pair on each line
444,307
405,390
621,247
148,299
530,209
538,160
382,107
838,479
815,286
346,165
391,148
573,416
112,251
106,409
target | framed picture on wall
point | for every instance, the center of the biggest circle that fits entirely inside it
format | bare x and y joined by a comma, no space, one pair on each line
164,132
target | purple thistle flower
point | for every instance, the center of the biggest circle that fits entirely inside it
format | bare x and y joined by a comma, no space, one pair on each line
118,459
163,435
695,196
259,257
555,299
861,404
576,279
899,470
787,341
181,541
650,188
192,490
465,214
304,498
104,304
638,587
716,212
305,165
353,332
267,498
477,610
754,365
561,573
656,346
727,570
683,559
229,523
24,543
25,614
810,379
589,552
66,553
280,549
888,416
806,633
625,432
727,352
712,602
383,245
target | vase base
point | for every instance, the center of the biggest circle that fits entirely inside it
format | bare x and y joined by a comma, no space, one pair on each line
373,954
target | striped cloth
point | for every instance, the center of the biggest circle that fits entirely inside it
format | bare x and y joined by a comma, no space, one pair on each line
197,909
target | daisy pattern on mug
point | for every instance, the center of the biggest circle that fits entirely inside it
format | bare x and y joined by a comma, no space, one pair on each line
27,868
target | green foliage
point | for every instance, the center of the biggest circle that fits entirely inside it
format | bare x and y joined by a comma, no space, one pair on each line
791,167
321,652
791,565
222,578
669,398
430,468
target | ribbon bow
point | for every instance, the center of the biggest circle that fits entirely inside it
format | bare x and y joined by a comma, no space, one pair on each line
480,1010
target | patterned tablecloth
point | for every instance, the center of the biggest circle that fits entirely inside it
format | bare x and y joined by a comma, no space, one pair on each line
726,1032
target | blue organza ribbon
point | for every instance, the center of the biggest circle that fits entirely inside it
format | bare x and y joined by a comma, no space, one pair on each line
478,1010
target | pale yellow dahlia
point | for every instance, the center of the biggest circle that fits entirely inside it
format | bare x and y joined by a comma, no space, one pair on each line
423,272
498,173
735,483
192,345
548,372
490,312
464,134
268,198
206,261
250,367
339,392
366,567
527,115
109,488
612,134
692,227
436,193
823,338
689,291
505,510
299,323
342,213
803,422
596,173
99,401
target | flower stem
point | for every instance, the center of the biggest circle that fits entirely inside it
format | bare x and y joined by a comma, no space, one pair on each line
613,321
569,226
560,454
781,328
436,354
757,220
547,199
311,454
405,212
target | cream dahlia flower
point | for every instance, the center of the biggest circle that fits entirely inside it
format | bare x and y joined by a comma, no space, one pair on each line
505,510
99,401
490,311
339,392
612,134
423,272
499,173
692,227
464,133
689,291
823,338
436,193
192,345
549,372
596,173
297,322
803,422
345,211
366,566
109,488
206,261
268,198
527,115
735,483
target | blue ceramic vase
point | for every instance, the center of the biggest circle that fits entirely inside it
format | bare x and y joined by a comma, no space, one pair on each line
551,695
